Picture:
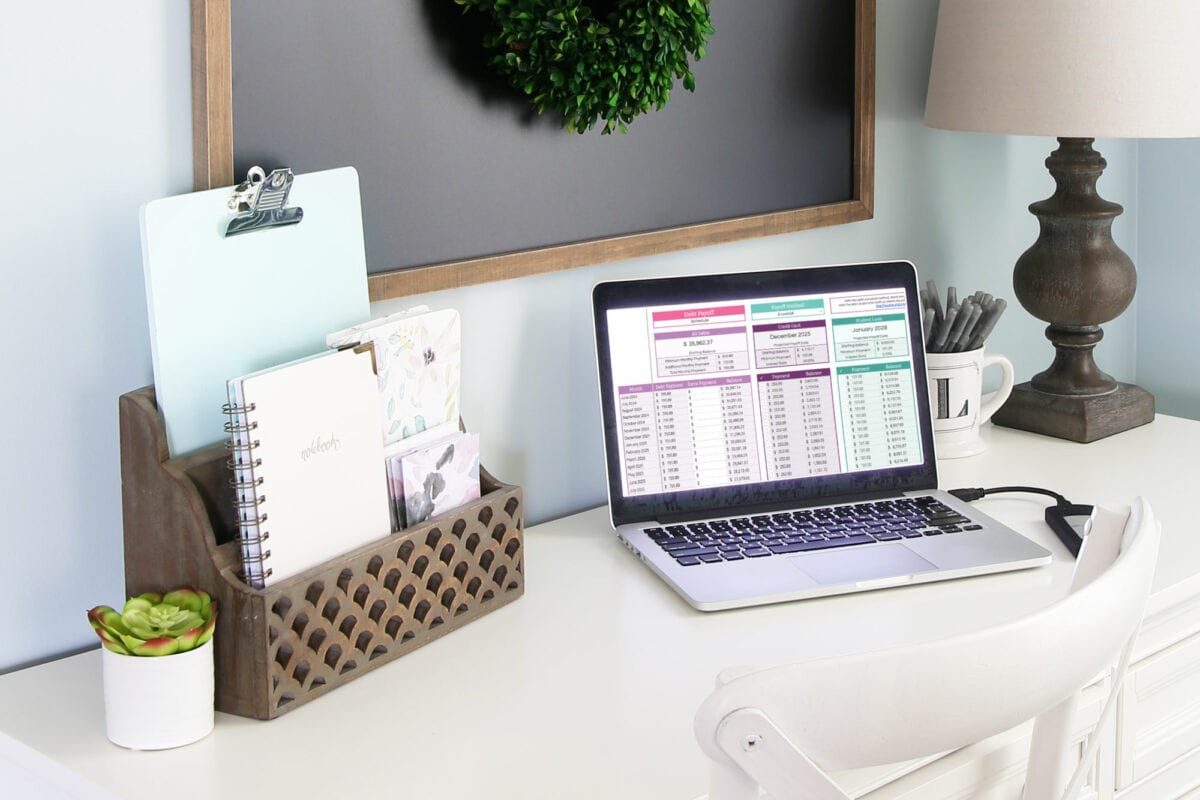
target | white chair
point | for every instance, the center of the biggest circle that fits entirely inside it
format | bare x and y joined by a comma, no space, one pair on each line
782,728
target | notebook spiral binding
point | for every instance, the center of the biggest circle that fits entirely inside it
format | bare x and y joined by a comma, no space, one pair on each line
248,500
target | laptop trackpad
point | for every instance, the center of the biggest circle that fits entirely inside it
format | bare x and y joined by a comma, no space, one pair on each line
855,564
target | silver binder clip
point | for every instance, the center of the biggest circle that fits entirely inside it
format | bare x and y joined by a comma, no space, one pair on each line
260,202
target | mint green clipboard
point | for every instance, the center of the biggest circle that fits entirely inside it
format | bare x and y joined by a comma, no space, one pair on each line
222,307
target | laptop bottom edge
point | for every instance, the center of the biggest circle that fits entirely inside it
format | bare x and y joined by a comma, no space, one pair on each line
757,576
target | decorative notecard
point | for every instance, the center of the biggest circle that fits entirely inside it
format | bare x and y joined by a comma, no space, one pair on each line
418,356
440,477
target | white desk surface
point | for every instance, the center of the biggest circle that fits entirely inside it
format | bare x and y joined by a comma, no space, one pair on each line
586,686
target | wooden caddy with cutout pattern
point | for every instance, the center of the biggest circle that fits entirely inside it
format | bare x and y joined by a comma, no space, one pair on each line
279,647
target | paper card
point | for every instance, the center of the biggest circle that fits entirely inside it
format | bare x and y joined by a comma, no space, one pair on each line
440,477
418,357
395,492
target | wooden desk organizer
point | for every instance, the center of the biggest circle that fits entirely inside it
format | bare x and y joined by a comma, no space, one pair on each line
279,647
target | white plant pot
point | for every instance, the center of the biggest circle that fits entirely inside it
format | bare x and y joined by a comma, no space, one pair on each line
157,702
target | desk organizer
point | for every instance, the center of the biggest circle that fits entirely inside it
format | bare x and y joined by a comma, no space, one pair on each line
279,647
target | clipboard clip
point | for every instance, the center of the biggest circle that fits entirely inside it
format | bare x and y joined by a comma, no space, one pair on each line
260,202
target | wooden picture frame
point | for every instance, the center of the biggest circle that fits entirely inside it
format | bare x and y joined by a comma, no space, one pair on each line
213,163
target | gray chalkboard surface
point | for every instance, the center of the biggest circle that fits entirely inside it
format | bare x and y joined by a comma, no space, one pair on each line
457,172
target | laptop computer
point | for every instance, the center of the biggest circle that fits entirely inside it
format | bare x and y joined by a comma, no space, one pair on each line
768,437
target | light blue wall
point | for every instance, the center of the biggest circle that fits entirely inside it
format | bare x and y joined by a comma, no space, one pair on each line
97,120
104,125
1168,330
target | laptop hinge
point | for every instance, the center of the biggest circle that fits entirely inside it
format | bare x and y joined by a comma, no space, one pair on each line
767,508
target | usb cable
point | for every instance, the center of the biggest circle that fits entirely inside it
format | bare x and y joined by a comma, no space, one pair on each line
1058,516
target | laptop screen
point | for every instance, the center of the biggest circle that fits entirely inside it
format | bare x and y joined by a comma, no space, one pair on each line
744,391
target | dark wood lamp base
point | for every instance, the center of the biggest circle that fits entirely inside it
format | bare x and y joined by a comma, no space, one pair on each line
1080,419
1075,277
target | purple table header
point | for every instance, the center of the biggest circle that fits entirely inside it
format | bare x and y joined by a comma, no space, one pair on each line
703,383
790,326
792,375
692,334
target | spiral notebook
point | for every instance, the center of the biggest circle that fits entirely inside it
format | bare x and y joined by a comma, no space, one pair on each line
308,462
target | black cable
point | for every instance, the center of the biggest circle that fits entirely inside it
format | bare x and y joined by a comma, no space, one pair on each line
1058,516
968,495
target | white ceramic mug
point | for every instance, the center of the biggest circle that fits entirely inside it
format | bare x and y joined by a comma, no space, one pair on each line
956,397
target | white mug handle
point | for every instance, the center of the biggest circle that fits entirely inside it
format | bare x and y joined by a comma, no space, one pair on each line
991,404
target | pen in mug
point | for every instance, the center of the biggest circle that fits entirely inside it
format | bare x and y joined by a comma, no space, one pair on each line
986,326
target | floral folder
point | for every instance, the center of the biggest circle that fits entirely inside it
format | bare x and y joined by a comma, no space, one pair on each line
419,362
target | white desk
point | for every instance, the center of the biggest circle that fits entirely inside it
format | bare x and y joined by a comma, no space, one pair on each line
586,686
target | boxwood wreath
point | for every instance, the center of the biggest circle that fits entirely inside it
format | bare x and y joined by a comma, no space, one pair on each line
591,64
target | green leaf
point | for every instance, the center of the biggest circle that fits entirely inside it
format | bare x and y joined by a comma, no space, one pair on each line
113,643
139,603
184,598
162,646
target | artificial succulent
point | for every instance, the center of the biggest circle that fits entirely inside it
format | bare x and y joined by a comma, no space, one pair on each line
154,624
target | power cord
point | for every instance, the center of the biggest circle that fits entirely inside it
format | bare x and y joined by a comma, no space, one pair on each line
1065,518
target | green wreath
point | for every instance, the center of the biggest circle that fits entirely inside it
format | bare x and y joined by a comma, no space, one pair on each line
590,67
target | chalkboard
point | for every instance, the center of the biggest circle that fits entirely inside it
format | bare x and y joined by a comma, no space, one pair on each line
462,183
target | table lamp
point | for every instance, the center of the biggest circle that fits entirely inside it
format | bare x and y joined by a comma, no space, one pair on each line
1077,70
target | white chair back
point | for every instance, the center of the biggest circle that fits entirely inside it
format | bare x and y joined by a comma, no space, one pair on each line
787,725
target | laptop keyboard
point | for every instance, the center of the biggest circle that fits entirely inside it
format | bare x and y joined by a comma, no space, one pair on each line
760,536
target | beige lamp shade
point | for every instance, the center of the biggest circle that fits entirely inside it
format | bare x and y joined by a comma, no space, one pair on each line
1071,68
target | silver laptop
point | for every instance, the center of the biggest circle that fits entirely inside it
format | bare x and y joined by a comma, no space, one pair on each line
768,437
